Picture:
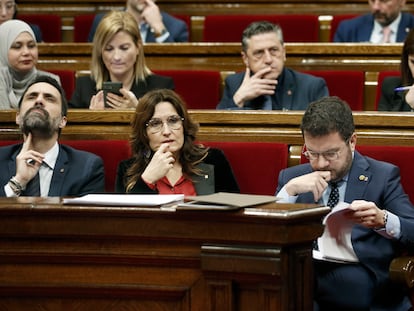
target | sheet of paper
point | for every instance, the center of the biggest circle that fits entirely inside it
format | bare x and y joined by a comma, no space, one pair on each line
126,199
335,242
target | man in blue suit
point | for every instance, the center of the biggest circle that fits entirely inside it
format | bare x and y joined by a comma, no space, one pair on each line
385,24
155,25
380,215
266,83
40,166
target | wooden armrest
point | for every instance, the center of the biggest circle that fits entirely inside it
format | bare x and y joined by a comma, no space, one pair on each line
402,270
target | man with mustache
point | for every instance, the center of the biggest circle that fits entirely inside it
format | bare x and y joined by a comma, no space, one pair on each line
40,166
385,24
266,83
155,25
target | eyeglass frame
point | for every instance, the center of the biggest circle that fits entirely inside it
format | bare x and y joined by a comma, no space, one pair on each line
335,154
179,120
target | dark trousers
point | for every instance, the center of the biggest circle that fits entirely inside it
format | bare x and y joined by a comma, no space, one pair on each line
342,287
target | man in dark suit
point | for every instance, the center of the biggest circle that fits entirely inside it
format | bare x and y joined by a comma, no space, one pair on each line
266,83
155,25
385,24
380,216
40,166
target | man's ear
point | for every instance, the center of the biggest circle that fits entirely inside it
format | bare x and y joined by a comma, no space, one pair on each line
63,122
245,59
17,118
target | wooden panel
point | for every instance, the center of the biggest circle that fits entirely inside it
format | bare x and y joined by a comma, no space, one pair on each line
61,257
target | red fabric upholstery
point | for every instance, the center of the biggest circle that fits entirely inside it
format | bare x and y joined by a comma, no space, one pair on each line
229,28
401,156
200,89
111,152
67,78
49,24
81,27
256,165
336,19
381,76
346,84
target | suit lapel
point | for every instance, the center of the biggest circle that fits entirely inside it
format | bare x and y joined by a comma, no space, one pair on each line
358,178
204,183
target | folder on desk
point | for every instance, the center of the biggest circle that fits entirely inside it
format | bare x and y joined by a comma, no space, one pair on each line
224,201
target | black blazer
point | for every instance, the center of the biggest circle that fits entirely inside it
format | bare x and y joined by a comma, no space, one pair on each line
76,172
217,176
86,88
391,100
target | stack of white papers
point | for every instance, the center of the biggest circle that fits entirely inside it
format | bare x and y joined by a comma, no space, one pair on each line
126,199
335,243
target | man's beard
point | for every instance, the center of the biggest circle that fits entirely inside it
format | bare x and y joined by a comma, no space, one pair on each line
39,123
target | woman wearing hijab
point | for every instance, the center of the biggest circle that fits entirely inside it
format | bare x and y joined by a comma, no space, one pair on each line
18,59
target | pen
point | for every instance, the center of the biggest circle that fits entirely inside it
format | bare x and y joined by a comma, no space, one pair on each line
402,88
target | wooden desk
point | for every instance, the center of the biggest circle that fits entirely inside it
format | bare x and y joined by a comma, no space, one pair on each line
59,257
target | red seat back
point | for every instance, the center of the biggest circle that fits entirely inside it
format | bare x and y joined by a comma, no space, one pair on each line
200,89
336,19
346,84
381,76
67,79
229,28
81,27
111,152
49,24
256,165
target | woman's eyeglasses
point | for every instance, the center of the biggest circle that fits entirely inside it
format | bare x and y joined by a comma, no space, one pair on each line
156,124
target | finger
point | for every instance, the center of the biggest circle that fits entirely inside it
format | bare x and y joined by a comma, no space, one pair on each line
27,144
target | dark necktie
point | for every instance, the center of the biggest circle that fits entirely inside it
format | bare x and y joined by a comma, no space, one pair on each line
334,195
33,187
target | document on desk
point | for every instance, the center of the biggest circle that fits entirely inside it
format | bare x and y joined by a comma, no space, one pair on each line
224,201
335,243
126,199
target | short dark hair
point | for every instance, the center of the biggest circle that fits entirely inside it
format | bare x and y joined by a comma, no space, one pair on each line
328,115
260,27
55,84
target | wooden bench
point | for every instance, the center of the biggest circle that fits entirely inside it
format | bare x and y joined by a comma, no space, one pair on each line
226,58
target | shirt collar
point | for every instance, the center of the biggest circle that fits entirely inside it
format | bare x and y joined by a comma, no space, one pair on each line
51,156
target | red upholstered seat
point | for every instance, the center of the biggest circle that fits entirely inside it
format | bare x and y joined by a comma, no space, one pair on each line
336,19
229,28
256,165
49,24
199,88
111,152
67,79
381,76
81,27
346,84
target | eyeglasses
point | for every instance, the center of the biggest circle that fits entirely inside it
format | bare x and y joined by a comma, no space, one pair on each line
328,155
155,124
